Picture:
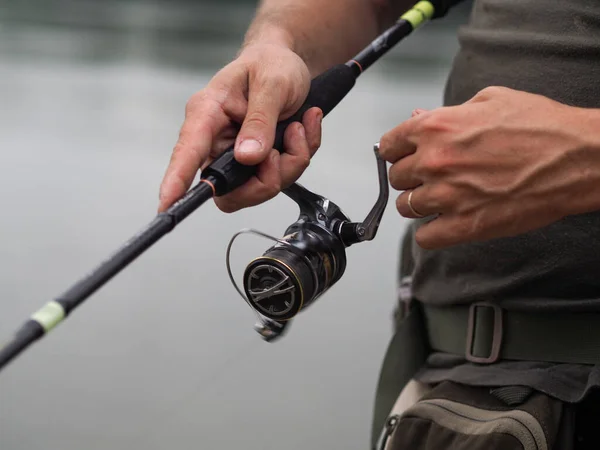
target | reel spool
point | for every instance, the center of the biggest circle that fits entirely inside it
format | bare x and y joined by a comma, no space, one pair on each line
310,258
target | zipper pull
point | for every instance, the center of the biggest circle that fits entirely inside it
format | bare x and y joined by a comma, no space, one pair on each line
390,426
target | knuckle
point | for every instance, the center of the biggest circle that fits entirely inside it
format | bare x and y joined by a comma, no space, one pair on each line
271,189
394,178
208,101
442,195
490,91
438,159
386,145
396,184
431,163
274,188
277,80
435,122
271,80
180,149
257,119
303,162
184,150
195,100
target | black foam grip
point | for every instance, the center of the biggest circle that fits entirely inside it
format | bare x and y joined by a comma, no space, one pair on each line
326,91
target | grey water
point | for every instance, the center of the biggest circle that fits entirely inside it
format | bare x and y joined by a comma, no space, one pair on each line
92,96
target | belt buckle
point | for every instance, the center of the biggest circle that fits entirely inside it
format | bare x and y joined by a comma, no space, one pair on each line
497,336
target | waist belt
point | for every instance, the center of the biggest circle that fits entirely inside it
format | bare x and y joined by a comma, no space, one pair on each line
485,333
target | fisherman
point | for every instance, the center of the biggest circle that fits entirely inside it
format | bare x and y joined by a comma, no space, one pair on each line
501,262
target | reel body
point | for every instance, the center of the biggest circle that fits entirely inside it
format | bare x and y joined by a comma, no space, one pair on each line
289,277
310,258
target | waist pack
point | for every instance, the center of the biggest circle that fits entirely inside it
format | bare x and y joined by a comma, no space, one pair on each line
457,417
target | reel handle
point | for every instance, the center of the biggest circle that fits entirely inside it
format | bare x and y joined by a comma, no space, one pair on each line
326,91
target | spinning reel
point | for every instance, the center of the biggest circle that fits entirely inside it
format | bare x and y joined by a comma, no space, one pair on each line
308,260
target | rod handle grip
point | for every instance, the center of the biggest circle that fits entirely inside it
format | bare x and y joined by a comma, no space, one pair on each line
326,91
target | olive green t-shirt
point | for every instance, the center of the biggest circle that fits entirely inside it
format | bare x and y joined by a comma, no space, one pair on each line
552,48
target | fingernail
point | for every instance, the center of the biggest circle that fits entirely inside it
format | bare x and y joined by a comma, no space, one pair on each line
320,118
418,111
249,146
301,130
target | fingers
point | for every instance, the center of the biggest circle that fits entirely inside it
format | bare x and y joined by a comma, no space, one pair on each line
312,124
297,157
402,140
395,145
265,185
200,127
222,142
257,134
301,141
410,206
425,200
402,174
442,232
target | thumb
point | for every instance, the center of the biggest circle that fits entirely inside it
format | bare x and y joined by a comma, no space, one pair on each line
257,134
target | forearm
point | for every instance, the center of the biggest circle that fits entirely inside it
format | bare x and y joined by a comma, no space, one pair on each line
323,33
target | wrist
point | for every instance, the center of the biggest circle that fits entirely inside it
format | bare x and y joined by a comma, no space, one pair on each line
267,34
588,120
585,159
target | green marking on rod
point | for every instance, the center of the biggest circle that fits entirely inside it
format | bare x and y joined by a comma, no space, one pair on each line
418,14
50,315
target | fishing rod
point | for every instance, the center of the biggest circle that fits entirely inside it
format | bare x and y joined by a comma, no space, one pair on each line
302,265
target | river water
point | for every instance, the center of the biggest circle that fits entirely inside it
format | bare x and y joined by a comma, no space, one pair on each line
92,96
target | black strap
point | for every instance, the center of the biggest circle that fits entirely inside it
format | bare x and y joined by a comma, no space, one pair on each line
485,333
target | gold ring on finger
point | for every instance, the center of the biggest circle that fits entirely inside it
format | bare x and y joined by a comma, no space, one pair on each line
413,210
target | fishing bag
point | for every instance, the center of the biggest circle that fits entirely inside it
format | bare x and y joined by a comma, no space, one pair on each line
456,417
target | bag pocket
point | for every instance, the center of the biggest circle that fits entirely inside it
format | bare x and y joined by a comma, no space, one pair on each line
456,417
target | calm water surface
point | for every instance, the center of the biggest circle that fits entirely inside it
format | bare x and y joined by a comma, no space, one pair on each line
164,356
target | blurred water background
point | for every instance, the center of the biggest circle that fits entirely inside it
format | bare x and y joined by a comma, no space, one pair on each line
92,95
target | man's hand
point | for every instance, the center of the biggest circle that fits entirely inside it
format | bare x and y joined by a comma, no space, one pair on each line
503,163
265,84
